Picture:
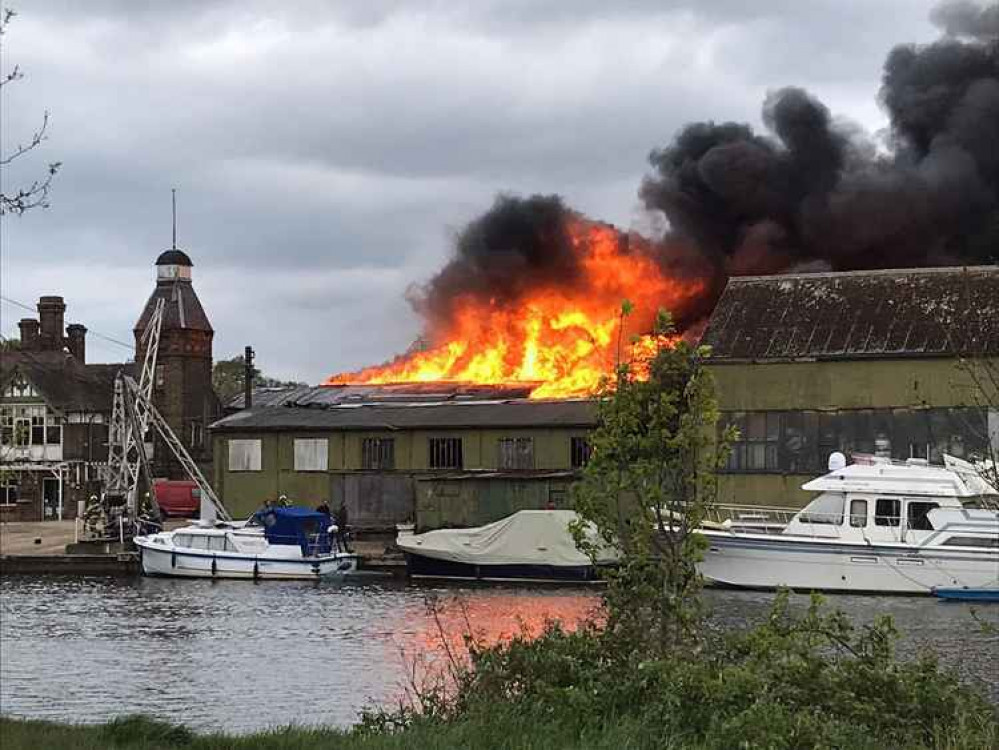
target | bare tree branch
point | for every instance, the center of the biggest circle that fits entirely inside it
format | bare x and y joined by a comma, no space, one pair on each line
36,193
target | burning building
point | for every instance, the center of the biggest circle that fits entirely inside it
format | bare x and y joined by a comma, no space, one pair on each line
533,294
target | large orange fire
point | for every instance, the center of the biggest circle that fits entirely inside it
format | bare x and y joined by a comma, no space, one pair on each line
562,337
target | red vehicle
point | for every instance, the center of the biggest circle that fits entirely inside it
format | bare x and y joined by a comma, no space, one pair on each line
177,497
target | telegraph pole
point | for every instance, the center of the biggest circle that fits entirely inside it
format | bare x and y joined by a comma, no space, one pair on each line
248,374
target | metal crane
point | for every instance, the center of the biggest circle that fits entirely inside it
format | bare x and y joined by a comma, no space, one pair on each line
133,413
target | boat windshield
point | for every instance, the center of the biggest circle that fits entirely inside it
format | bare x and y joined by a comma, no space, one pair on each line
826,508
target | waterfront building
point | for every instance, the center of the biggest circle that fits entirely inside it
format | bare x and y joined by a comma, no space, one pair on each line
182,387
54,414
55,407
433,454
807,364
878,362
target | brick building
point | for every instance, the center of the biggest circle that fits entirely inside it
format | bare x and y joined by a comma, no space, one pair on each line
55,407
182,389
54,414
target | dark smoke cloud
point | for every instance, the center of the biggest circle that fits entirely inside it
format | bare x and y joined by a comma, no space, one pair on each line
515,246
814,190
967,19
810,193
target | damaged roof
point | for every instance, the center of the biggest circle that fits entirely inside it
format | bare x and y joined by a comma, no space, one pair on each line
65,384
385,393
857,315
436,415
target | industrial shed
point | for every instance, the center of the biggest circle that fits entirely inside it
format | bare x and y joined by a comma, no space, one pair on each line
469,458
861,362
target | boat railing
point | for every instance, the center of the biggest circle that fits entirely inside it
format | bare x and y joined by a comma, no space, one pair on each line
766,519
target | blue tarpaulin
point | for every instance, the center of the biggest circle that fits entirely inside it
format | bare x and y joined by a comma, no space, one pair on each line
293,524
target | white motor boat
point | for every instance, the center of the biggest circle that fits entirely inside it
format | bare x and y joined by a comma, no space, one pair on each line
281,542
876,526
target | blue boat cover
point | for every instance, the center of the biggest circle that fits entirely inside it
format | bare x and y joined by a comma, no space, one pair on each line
296,525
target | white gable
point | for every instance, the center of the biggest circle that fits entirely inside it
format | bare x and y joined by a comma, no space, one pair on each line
19,387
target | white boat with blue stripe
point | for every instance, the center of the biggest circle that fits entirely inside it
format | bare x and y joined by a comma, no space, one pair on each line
281,542
876,526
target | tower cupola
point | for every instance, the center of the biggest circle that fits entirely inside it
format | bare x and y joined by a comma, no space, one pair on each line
173,265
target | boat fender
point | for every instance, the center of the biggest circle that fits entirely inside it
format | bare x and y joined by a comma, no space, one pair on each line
173,559
256,570
213,567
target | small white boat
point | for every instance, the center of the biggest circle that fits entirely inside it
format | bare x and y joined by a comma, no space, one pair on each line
530,545
281,542
876,526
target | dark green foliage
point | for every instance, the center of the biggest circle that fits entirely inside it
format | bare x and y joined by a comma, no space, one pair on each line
228,376
144,729
650,483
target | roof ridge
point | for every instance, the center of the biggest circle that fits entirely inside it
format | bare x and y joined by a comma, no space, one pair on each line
872,272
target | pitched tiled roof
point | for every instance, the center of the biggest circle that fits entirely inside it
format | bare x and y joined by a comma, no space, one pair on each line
870,314
183,309
65,384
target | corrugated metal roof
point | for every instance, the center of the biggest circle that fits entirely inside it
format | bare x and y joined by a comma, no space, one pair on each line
869,314
321,396
446,415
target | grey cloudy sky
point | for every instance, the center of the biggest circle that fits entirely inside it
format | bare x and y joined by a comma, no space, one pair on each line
326,152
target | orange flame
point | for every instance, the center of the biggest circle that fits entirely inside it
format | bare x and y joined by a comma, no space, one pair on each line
564,338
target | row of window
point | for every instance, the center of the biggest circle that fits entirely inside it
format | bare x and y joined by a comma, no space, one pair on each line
214,543
312,454
801,441
24,426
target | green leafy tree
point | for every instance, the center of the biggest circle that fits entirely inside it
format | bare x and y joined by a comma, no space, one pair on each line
650,483
228,376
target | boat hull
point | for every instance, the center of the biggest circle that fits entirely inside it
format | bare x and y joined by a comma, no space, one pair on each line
759,562
422,566
164,561
968,595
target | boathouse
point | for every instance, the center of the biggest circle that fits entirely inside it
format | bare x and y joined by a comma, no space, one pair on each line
433,454
899,363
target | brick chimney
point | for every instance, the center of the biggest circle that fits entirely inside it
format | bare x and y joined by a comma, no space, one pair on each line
76,342
29,334
51,315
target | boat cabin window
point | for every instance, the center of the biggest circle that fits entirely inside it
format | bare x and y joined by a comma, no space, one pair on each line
826,508
216,543
916,515
887,511
858,513
991,542
181,540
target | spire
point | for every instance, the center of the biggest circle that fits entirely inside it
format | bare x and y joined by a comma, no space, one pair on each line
173,201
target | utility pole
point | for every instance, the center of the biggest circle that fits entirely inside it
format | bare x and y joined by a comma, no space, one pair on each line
248,374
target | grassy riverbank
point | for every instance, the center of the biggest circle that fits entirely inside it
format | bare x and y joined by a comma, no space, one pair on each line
500,730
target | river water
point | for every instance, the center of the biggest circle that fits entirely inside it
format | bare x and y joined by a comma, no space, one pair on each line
242,656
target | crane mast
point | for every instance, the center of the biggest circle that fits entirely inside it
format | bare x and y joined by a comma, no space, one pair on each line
133,414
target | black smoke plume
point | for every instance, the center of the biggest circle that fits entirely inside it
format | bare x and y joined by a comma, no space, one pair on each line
812,189
517,245
810,192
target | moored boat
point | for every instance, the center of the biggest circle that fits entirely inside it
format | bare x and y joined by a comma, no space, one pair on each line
875,526
530,545
280,542
990,594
